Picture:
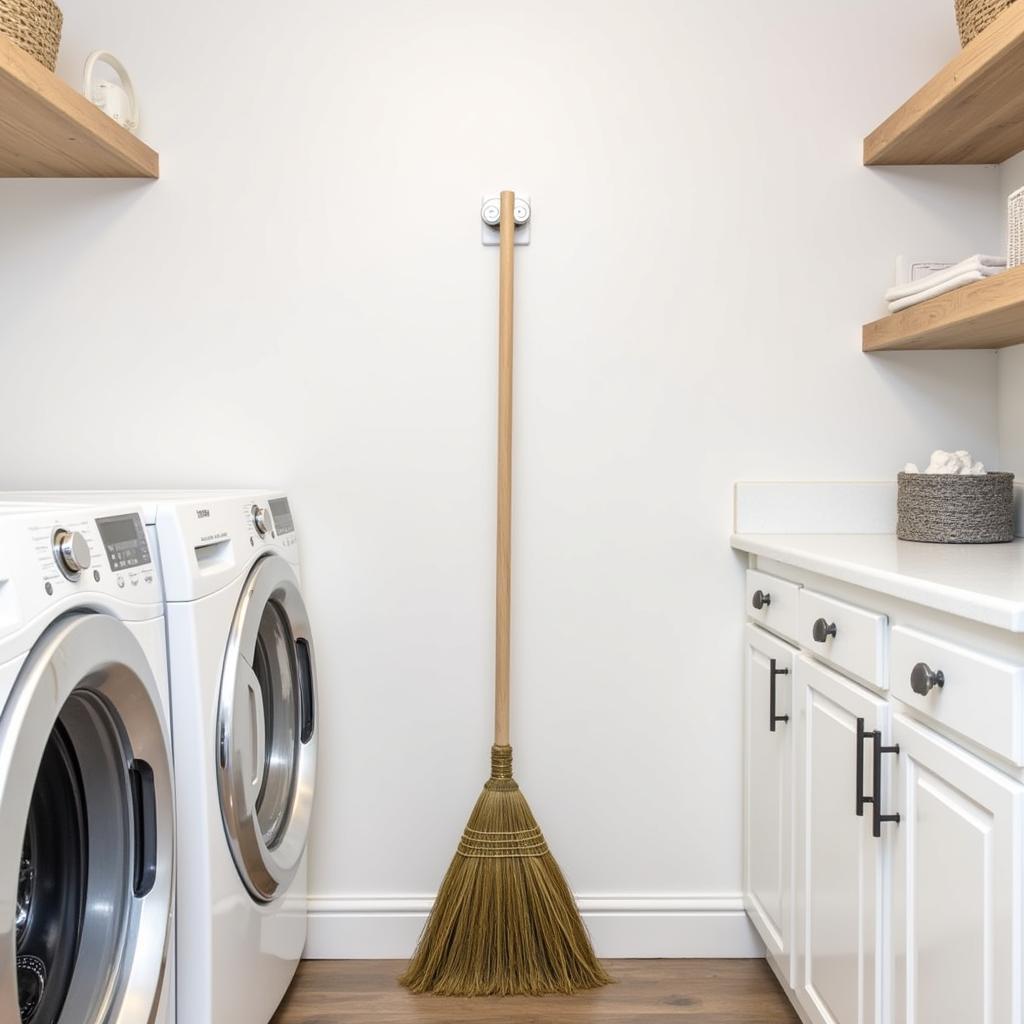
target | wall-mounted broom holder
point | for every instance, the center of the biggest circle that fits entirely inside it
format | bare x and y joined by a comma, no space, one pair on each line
490,215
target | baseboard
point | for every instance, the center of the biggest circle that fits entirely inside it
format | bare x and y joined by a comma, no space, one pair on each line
386,927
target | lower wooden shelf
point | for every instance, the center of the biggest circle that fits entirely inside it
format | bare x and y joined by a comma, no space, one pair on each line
986,314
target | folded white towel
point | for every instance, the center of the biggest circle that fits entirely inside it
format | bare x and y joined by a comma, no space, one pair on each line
985,265
946,286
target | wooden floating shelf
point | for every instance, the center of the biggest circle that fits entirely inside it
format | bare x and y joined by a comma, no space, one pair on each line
47,130
971,112
986,314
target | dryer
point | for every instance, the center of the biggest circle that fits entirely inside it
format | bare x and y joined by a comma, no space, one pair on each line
243,696
243,677
86,785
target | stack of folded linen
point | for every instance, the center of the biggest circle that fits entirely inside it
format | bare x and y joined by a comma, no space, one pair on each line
975,268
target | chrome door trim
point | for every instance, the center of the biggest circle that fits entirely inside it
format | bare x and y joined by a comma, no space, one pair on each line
96,657
265,870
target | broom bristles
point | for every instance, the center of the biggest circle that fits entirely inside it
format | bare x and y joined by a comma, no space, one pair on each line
504,922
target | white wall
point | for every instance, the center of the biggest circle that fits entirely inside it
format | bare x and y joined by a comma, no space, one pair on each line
303,299
1011,360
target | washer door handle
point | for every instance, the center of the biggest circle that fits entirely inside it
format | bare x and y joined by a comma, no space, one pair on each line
258,731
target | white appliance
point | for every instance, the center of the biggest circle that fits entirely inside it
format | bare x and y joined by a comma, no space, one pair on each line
243,685
86,784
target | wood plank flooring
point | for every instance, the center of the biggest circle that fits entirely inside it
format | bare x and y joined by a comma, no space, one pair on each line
646,992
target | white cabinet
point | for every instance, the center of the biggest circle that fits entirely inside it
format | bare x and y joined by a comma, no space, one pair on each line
768,863
884,851
956,893
840,874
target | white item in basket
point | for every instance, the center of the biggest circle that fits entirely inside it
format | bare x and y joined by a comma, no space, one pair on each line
958,463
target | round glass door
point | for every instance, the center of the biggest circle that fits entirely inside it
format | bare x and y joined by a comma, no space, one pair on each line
86,769
266,730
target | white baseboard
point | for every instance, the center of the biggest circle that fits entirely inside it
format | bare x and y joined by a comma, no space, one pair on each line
387,927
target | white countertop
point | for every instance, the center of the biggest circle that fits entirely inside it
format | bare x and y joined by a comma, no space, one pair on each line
983,582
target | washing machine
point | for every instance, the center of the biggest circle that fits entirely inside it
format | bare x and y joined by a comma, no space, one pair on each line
87,860
243,698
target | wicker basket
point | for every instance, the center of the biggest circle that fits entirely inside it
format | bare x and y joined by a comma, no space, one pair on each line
973,16
1015,228
35,26
944,508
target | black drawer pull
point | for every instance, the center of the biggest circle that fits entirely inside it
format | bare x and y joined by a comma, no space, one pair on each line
761,599
862,737
773,718
822,630
876,799
922,679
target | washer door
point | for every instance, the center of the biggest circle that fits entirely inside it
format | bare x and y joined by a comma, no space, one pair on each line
266,730
87,844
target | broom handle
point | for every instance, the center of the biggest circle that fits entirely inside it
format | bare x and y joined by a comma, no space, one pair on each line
504,573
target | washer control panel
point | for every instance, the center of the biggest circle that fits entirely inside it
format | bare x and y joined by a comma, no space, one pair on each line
124,539
49,552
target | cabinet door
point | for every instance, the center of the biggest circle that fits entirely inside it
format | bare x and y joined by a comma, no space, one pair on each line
840,865
768,863
956,885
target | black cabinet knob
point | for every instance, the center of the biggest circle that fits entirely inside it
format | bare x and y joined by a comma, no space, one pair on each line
922,679
761,599
822,630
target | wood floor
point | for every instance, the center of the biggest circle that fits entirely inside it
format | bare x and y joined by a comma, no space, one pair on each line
646,992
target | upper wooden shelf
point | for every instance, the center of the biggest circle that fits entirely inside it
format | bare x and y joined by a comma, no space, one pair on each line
971,112
986,314
47,130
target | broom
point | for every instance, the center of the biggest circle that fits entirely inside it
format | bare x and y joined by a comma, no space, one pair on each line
504,922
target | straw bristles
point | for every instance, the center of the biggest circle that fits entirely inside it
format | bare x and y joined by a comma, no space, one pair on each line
504,922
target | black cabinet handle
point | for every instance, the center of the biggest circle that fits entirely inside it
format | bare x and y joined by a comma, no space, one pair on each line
922,679
773,671
822,630
876,799
862,737
761,599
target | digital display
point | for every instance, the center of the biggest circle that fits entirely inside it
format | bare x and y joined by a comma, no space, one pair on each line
125,541
282,514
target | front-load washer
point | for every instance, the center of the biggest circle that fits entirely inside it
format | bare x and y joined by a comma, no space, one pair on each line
243,681
86,784
243,695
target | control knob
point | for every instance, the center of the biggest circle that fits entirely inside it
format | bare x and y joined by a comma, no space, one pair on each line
260,520
71,553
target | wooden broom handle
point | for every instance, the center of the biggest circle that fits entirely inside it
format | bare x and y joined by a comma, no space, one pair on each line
504,569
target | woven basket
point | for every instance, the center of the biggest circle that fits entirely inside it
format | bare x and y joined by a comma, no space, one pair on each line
973,16
1015,228
943,508
35,26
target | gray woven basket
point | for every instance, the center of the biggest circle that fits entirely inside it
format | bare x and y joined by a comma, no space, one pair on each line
943,508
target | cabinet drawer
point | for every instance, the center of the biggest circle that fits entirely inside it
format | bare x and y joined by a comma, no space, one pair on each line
977,696
851,638
778,603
